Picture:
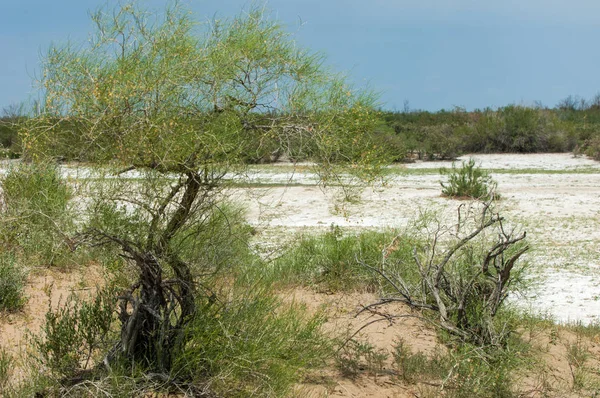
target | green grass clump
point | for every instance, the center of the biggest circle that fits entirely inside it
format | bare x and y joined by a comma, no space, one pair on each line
12,283
464,371
251,345
469,181
73,334
357,357
36,216
412,367
6,366
333,261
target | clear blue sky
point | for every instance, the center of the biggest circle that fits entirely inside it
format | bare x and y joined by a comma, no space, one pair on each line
434,53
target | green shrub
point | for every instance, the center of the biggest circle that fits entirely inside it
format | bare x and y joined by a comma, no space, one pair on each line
251,345
592,147
6,367
469,181
72,335
334,262
12,283
477,376
36,216
356,357
8,132
412,367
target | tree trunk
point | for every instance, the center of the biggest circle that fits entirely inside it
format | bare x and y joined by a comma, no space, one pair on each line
154,312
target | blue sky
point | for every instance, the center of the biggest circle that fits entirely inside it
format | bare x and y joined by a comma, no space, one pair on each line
434,53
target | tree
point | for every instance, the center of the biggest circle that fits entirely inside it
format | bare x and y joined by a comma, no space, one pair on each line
185,105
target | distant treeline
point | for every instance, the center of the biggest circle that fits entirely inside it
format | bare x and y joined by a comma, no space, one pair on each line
573,125
9,137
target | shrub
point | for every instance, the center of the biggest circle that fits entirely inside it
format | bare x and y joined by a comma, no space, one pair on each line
592,147
72,335
36,213
523,130
12,281
356,356
466,274
9,134
333,261
469,181
6,366
251,344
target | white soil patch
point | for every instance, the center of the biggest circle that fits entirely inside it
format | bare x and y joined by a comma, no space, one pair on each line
556,198
539,161
558,204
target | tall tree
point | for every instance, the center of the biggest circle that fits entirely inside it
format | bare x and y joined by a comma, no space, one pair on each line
185,105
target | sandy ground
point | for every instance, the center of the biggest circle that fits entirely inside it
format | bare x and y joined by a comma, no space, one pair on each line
555,198
559,211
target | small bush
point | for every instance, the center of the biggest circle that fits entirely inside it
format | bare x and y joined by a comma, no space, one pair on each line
412,367
251,345
334,262
592,147
36,214
469,181
12,283
6,366
475,376
73,334
464,276
356,357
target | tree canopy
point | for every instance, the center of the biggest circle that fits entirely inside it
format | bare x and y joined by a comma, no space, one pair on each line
185,103
170,93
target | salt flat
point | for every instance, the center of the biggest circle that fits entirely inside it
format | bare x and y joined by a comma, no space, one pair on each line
554,197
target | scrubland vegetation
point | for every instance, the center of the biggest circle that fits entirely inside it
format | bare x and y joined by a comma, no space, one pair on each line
571,126
186,305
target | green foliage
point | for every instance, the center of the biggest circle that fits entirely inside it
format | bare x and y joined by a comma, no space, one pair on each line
214,239
8,133
251,344
36,213
469,181
333,261
12,283
357,357
414,367
513,128
237,89
73,334
462,372
217,240
481,377
463,275
6,368
592,147
9,137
